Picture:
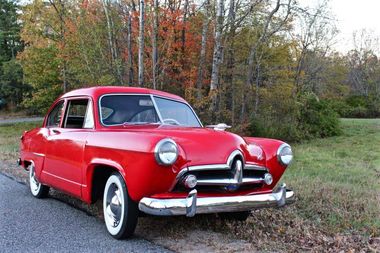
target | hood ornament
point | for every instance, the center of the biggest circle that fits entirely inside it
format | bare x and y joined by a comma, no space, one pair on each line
219,127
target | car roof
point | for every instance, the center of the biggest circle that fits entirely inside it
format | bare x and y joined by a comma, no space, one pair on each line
98,91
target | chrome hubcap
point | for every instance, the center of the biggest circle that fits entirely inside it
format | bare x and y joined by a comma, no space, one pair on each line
114,205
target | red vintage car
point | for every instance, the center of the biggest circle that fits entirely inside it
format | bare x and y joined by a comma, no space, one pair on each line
143,150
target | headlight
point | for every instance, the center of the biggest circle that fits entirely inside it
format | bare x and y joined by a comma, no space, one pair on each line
285,154
166,152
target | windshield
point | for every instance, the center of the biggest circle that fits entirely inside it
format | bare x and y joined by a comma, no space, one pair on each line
140,109
176,113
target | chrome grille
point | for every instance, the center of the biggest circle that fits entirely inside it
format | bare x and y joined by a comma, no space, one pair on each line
224,177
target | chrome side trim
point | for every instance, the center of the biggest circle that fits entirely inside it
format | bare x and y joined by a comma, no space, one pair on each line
192,205
38,154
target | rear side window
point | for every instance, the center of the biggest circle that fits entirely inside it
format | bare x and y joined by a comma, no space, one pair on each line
54,118
78,115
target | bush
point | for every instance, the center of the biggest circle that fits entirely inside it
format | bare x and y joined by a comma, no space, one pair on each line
317,118
357,107
340,107
311,118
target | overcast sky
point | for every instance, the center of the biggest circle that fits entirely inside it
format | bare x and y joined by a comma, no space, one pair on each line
352,15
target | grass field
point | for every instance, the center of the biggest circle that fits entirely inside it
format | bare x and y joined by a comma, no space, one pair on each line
10,137
337,182
338,179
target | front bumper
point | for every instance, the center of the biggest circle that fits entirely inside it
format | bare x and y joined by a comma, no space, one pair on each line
192,205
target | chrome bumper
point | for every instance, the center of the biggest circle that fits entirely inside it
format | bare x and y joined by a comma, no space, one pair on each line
192,205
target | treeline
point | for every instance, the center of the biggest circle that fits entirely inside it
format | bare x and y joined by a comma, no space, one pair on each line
266,67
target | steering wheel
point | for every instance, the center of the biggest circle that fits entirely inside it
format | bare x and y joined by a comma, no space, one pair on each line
171,121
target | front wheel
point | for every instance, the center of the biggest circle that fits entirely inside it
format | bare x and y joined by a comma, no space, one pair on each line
120,211
37,189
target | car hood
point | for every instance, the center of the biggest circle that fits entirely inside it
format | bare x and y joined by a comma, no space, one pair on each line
201,145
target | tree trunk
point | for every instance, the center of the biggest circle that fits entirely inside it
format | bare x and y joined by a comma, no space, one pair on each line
202,56
154,44
230,41
141,44
218,54
111,42
130,52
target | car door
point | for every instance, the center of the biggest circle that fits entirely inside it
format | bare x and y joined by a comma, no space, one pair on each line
65,146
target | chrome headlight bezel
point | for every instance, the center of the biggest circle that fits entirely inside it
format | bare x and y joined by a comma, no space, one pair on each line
280,154
158,151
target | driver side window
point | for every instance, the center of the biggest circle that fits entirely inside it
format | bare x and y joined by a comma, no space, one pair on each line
54,118
79,114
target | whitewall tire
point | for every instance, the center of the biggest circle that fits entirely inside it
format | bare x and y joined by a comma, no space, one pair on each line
120,212
37,189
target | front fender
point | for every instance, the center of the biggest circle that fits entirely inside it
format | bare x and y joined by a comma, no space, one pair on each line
89,172
270,147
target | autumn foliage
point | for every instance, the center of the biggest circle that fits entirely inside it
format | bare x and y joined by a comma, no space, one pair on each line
270,60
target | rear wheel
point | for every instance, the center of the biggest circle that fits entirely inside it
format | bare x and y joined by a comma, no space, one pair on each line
239,216
120,211
37,189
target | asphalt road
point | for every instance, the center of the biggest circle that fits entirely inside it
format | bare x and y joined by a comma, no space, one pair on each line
28,224
19,120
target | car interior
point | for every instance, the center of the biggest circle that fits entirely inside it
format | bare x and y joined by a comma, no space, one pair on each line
124,109
75,113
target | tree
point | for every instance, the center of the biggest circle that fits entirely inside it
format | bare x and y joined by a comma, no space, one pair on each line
10,42
154,43
141,43
11,74
314,40
59,37
202,57
218,54
269,29
246,54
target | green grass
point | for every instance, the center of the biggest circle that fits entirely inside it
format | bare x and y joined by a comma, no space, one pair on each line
10,138
338,179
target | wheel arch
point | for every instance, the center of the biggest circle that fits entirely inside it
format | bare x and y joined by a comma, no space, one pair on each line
97,173
26,163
